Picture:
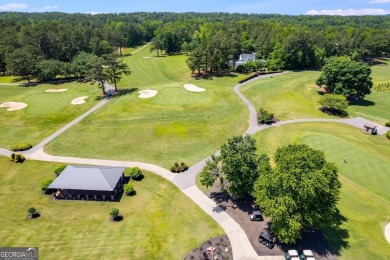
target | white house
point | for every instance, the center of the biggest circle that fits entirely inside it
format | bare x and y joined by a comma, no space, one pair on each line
245,57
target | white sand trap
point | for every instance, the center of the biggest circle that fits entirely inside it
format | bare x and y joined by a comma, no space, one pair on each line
56,90
148,93
79,100
12,106
145,57
193,88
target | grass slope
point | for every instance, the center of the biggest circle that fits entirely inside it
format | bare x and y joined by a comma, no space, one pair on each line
159,221
45,113
365,199
289,96
376,106
175,125
294,95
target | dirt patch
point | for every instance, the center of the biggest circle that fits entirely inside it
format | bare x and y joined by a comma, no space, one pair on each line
218,246
240,211
13,106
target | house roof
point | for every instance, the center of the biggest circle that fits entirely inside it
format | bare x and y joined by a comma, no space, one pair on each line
88,178
246,56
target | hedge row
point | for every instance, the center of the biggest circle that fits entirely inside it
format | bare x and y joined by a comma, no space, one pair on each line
21,147
254,75
388,134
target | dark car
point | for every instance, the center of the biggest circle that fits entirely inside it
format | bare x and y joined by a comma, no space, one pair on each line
267,239
256,216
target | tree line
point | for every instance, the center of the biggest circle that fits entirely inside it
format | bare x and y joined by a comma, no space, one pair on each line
210,39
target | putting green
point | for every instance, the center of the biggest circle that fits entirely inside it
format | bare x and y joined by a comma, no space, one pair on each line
364,199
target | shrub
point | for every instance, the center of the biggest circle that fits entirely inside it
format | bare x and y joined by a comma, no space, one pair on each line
59,168
135,173
21,147
114,213
388,124
129,189
45,184
179,167
263,116
335,104
18,158
31,211
388,134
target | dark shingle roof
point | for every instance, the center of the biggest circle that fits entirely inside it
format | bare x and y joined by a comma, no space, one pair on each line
88,178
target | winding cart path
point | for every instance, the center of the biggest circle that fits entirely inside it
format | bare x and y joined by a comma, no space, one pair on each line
241,247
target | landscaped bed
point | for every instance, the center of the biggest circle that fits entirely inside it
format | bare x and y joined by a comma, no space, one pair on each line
217,246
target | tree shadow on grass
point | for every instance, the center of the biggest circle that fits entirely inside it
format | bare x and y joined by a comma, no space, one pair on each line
124,91
362,103
337,236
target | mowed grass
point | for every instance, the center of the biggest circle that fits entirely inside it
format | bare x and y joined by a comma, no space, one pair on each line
175,125
365,198
376,106
289,96
45,113
159,221
294,95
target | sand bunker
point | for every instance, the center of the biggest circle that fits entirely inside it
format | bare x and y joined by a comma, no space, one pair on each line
148,93
79,100
193,88
56,90
145,57
12,106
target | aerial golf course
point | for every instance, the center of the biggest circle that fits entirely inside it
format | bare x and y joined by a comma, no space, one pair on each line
180,125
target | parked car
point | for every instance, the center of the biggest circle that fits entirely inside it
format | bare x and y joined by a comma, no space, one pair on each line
267,239
256,216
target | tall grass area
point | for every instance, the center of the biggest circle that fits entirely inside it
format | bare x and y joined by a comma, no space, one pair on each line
45,113
159,221
365,198
175,125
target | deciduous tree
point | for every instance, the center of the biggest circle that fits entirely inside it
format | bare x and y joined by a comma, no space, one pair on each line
351,79
300,193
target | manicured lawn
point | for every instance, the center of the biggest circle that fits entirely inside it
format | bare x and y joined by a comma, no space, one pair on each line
175,125
45,113
376,106
12,79
365,198
294,95
290,96
159,221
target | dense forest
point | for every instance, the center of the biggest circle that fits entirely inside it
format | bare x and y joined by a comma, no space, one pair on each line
44,45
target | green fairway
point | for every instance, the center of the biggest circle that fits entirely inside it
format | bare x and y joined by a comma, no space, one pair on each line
365,198
294,95
159,221
12,79
175,125
45,113
290,96
376,106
